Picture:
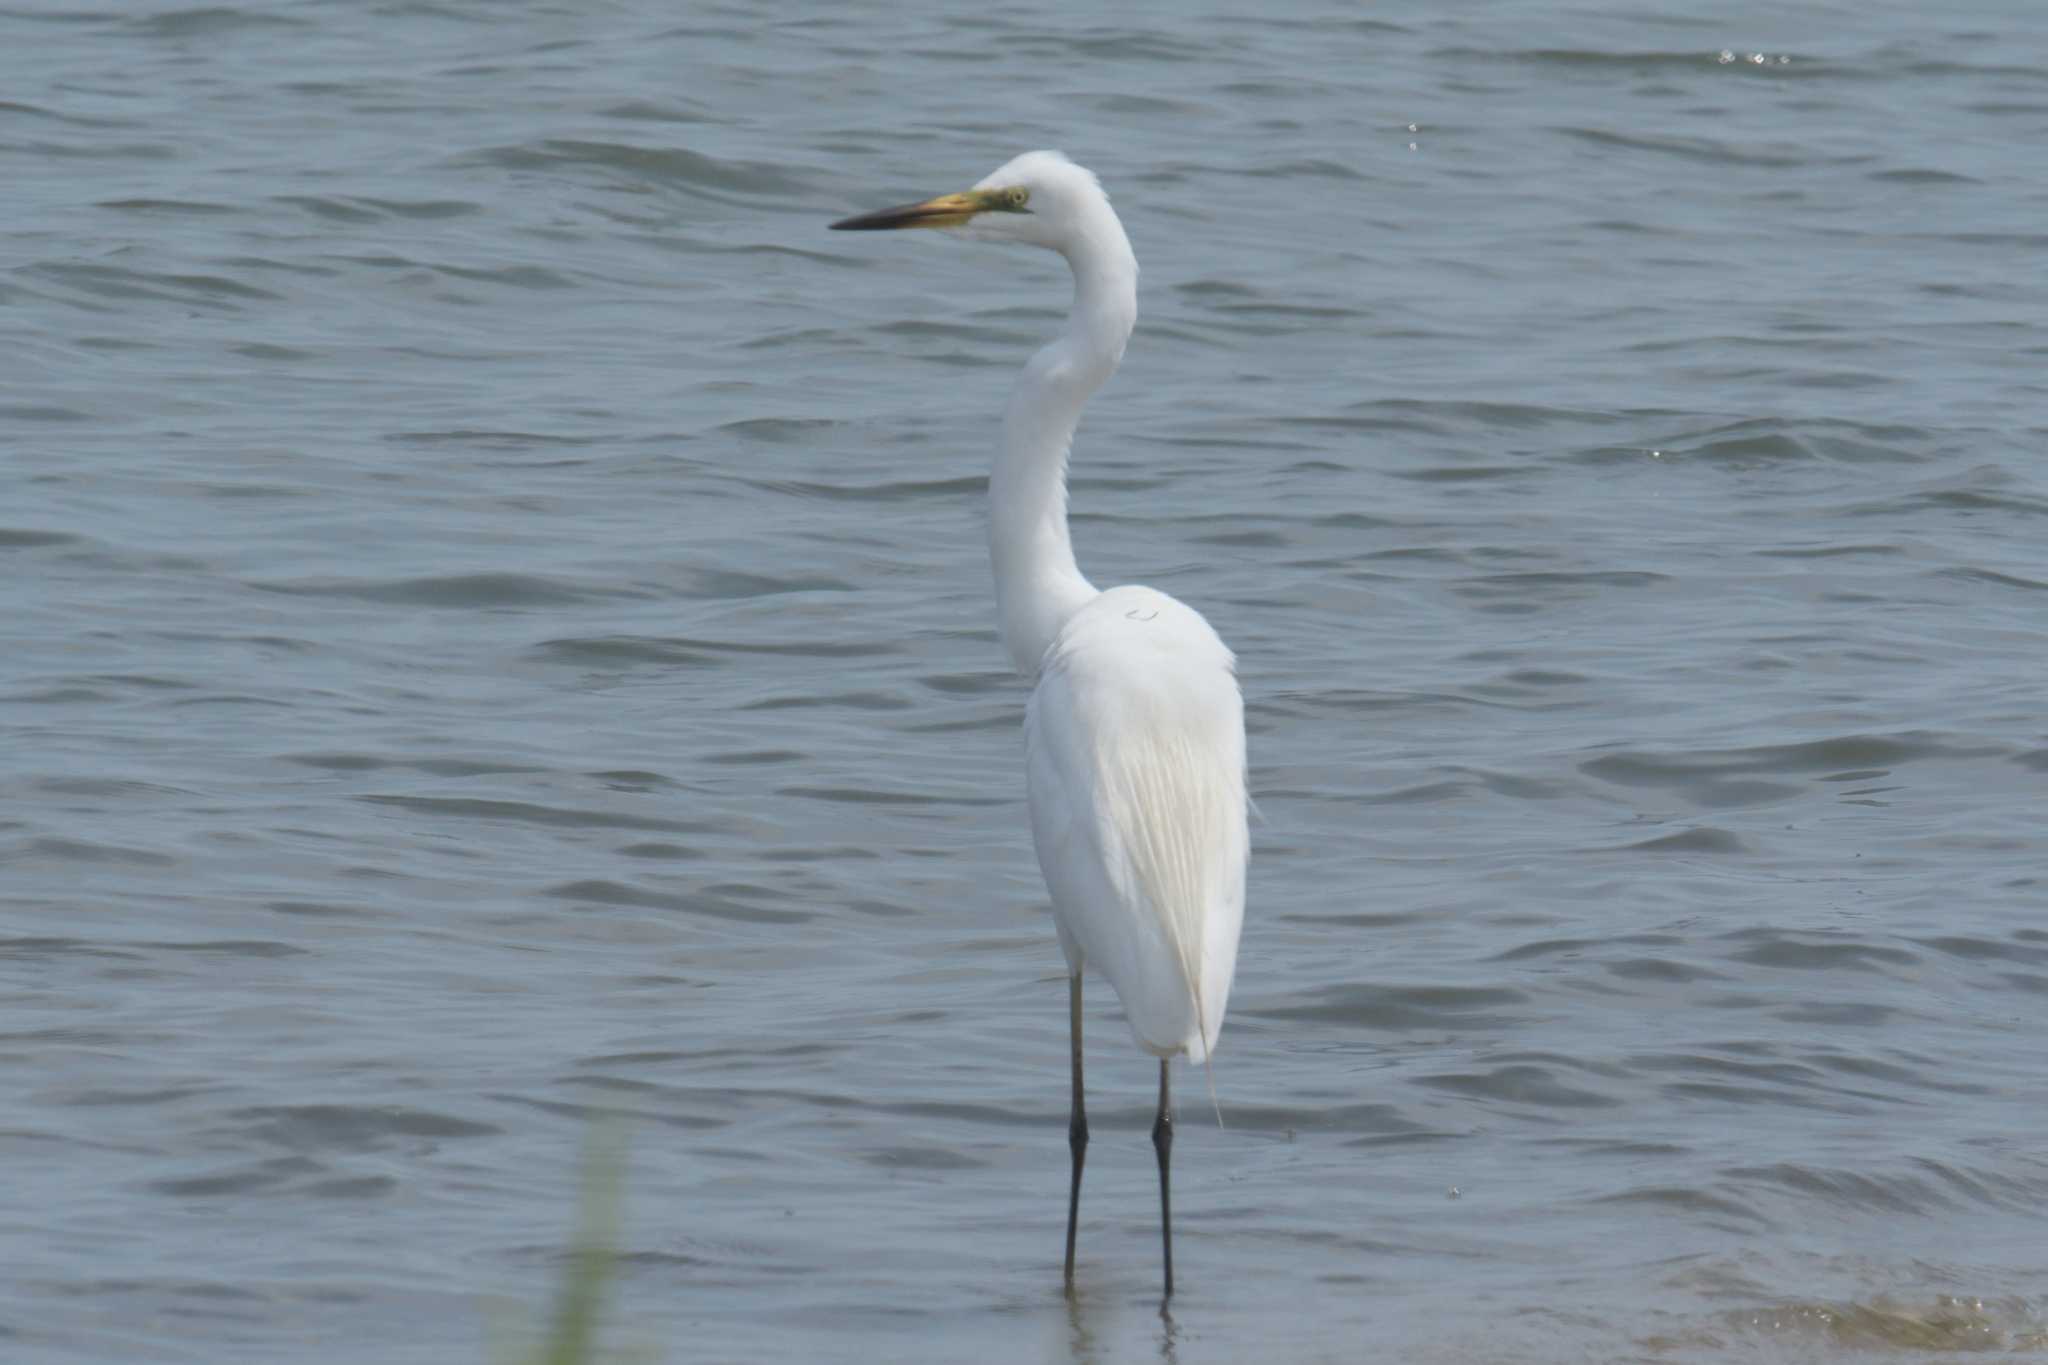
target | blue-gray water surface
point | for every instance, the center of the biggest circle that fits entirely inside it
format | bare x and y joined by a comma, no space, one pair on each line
495,629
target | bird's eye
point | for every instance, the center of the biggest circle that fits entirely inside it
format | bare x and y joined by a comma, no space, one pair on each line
1015,198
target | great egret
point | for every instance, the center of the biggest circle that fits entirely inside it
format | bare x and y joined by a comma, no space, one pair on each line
1134,735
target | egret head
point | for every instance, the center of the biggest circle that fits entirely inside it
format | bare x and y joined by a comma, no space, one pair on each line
1040,198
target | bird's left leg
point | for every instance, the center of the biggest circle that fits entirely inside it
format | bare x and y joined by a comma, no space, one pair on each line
1077,1123
1162,1143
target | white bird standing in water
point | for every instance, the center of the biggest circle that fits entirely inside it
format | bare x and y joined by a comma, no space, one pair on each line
1134,735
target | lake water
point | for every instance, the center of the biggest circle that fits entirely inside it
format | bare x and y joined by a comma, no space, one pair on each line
495,629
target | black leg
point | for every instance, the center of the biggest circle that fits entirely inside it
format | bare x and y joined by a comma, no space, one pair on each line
1077,1123
1162,1142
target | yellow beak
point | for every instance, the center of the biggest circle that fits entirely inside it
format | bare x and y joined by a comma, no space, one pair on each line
948,210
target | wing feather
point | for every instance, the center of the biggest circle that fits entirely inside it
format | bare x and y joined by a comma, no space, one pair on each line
1136,761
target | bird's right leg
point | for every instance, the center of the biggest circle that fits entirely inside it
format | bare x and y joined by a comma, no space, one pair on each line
1162,1143
1077,1123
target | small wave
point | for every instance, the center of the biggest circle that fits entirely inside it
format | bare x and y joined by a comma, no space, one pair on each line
88,852
174,207
528,813
228,947
1723,778
21,538
437,767
715,904
354,209
780,430
1711,151
1769,440
674,166
1371,1006
118,282
18,109
1716,1207
353,1127
1607,64
1815,952
1965,501
469,591
212,21
877,796
648,111
1129,45
685,651
1519,1084
611,651
1573,947
490,440
1923,175
835,701
1992,576
1544,589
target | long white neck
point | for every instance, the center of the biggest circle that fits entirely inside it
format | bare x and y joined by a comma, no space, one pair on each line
1038,585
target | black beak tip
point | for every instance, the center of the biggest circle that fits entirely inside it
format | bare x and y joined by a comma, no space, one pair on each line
870,222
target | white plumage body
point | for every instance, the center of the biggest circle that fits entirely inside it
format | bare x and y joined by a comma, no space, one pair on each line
1135,751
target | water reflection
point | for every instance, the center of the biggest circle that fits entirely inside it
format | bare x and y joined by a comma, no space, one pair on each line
1169,1333
1080,1340
1084,1316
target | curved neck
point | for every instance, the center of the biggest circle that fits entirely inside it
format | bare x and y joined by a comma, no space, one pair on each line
1038,585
